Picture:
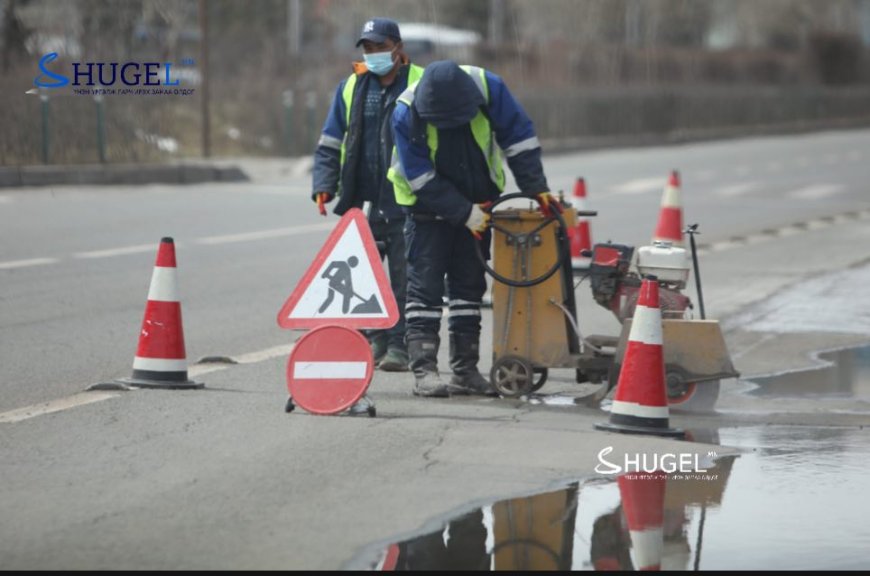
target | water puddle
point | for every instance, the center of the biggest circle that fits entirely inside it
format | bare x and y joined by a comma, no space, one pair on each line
846,375
795,499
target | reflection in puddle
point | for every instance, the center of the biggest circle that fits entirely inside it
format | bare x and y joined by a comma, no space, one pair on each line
794,500
846,375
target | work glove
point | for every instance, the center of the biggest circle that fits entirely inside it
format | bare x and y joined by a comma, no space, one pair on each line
478,219
322,199
548,204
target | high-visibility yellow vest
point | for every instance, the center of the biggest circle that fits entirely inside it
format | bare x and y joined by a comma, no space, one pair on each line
414,74
480,129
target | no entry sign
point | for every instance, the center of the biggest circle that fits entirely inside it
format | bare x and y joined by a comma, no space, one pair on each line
329,369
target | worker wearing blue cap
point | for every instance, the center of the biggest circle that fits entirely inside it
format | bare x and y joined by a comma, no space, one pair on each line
352,158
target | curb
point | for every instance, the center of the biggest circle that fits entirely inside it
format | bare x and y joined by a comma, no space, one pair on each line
23,176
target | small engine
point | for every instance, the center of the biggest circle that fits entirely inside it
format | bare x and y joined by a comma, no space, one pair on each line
615,286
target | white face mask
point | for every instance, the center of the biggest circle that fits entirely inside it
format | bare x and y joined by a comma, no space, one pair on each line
379,63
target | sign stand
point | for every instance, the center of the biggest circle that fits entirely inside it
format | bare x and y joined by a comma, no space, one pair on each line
345,289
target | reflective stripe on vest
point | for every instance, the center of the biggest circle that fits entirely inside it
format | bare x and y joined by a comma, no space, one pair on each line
480,129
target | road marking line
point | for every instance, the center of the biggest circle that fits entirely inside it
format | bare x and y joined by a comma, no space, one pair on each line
275,233
736,189
5,199
639,185
25,263
817,191
117,251
80,399
249,358
90,397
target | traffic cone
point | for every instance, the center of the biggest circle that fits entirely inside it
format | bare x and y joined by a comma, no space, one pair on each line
640,403
643,504
580,236
670,224
160,360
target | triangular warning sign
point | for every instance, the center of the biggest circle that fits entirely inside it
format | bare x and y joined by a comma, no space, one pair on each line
346,285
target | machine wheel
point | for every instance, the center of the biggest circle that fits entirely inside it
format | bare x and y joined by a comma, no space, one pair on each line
691,396
513,376
542,372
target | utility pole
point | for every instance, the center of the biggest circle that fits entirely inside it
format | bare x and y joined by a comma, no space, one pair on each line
203,66
496,21
294,27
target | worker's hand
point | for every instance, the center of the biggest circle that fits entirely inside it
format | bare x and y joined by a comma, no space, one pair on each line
322,199
478,220
547,204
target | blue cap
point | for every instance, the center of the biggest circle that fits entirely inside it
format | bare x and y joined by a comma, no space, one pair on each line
379,29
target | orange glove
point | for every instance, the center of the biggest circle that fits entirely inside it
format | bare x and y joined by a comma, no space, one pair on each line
322,198
548,204
478,219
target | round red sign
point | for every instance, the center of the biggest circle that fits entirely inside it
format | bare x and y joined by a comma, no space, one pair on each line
329,369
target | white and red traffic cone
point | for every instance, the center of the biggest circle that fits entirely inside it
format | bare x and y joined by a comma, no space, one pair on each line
670,224
160,360
640,403
580,235
643,504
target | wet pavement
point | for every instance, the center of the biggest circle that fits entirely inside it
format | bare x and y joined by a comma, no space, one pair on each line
794,498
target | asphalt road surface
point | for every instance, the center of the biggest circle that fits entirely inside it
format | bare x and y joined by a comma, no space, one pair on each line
222,478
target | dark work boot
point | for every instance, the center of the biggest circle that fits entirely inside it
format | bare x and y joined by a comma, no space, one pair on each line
423,353
464,355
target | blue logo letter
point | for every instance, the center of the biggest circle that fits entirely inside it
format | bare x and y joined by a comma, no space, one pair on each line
58,79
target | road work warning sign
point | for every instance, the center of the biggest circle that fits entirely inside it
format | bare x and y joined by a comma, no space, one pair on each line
346,284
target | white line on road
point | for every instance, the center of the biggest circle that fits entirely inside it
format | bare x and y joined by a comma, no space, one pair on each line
5,199
816,192
55,406
640,185
250,358
118,251
25,263
90,397
275,233
736,189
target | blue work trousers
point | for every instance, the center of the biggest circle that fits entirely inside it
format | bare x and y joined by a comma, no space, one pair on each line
437,250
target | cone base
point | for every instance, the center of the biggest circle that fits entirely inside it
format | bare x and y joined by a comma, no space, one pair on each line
628,429
173,385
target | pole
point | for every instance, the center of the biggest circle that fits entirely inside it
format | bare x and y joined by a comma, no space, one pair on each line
101,129
311,105
691,231
288,122
294,27
203,66
46,143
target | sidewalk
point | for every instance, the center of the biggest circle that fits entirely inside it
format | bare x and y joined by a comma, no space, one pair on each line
188,171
